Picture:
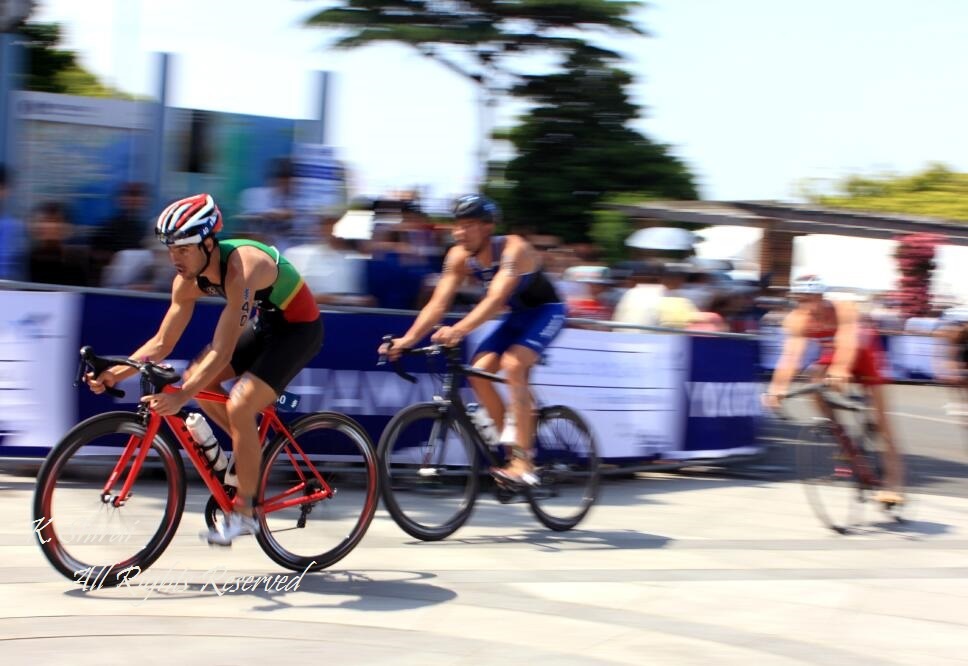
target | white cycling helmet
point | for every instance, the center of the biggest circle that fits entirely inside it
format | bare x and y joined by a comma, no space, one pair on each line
808,285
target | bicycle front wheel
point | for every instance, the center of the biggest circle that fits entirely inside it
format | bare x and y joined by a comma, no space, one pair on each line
829,478
428,471
303,528
88,533
567,463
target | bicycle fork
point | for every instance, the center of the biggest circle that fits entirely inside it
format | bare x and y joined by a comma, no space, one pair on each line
138,448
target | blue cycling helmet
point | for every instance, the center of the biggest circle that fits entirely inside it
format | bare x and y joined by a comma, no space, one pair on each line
477,207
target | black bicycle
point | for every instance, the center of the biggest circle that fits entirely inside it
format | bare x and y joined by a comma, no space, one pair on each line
432,458
838,462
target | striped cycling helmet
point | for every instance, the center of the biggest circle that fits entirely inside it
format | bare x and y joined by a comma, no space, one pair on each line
189,221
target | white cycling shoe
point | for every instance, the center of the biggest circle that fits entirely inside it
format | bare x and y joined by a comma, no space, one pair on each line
235,525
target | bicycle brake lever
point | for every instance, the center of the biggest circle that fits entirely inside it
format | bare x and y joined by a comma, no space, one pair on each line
80,373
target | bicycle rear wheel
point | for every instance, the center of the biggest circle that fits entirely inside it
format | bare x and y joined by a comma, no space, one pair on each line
566,460
428,471
81,532
829,477
301,533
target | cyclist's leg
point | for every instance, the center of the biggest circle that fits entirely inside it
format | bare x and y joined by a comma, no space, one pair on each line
248,398
867,371
893,464
543,325
487,357
486,394
516,363
249,347
287,348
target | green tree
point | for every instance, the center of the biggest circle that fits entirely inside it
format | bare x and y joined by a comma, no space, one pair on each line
936,191
56,70
478,39
575,148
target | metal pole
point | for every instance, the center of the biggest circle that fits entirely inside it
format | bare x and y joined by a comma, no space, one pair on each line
324,80
6,86
156,150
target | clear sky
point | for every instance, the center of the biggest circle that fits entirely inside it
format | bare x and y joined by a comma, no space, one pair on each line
756,95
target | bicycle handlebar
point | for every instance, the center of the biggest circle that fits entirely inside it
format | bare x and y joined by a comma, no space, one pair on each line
157,375
833,398
430,350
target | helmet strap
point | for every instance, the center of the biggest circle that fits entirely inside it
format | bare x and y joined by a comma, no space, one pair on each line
208,254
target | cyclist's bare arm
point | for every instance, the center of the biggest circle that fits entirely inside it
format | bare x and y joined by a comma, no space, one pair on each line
247,272
794,347
517,259
454,273
184,294
846,339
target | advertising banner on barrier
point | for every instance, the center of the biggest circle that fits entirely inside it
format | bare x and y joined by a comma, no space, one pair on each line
38,358
722,398
646,396
627,386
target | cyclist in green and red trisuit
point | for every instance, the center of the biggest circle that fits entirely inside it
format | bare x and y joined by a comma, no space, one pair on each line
269,330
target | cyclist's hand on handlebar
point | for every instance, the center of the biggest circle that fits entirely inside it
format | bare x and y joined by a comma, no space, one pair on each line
102,382
167,404
837,378
449,336
771,401
394,348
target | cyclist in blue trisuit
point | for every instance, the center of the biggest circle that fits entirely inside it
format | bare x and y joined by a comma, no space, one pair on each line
509,267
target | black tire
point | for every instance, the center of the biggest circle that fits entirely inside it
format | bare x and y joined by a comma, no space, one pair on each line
429,471
828,477
568,464
315,535
74,474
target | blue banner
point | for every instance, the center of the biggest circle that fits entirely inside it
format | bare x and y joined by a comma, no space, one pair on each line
722,397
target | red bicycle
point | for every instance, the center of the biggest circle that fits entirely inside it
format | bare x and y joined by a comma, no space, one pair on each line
111,493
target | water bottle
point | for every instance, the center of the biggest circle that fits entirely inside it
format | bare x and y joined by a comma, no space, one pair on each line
202,433
484,423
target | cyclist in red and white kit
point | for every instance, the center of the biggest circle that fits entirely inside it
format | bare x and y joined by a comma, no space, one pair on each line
268,331
849,350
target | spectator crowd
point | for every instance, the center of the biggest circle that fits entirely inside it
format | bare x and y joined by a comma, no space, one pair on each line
390,256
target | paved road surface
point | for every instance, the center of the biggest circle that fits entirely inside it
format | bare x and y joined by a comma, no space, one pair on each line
692,568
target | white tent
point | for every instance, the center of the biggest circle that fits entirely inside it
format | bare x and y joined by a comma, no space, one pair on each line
741,245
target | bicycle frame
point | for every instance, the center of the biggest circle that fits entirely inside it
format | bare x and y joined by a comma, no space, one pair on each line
866,476
139,447
449,398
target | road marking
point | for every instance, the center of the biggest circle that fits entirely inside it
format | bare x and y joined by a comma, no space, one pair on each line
925,418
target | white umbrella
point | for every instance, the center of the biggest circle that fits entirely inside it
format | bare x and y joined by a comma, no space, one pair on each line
662,238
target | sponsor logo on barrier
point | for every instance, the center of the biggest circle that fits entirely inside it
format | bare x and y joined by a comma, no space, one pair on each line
724,399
